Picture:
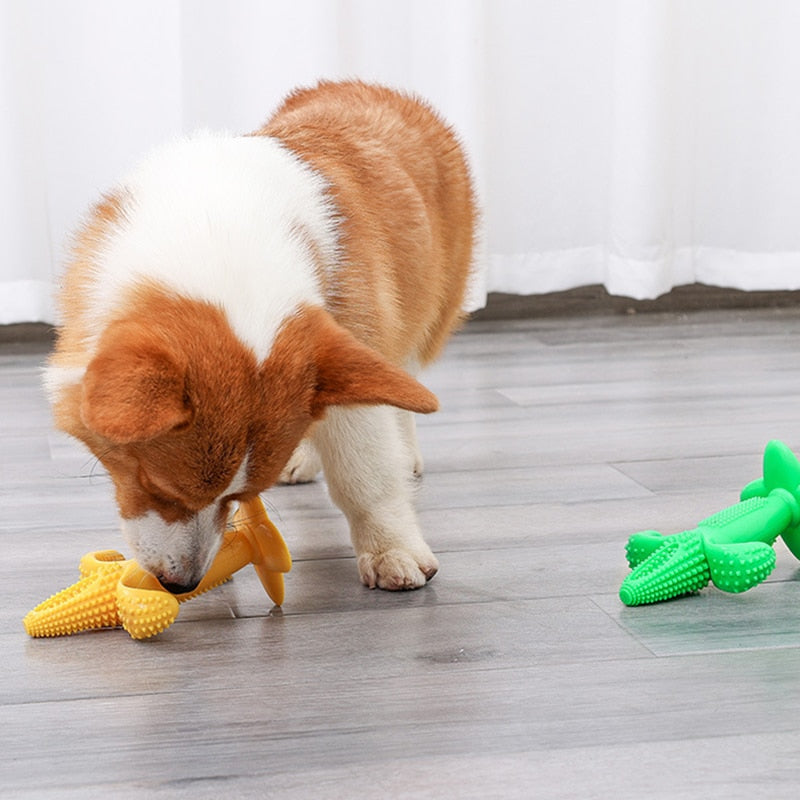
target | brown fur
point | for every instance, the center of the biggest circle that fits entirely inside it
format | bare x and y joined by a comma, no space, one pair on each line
171,417
402,188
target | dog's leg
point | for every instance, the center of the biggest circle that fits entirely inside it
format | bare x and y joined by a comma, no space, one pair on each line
304,464
365,457
408,428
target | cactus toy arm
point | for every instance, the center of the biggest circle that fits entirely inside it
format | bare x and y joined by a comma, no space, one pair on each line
731,549
114,591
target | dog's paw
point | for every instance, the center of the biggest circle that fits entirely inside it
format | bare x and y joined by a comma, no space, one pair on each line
303,466
397,569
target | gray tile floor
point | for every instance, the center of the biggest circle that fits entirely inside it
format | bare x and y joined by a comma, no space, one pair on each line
516,673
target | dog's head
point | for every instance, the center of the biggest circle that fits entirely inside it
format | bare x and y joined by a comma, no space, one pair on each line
187,421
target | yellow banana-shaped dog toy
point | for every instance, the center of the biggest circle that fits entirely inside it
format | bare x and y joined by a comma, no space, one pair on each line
115,591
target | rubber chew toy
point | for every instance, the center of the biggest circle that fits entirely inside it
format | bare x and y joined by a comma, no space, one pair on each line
731,549
114,591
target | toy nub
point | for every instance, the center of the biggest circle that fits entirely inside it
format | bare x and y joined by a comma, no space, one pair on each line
731,549
115,591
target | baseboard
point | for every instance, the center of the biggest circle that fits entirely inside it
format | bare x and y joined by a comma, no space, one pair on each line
585,300
588,300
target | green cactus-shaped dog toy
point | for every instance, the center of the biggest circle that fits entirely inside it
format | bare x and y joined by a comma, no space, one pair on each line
731,549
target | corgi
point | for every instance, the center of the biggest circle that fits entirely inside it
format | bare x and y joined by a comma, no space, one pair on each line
245,308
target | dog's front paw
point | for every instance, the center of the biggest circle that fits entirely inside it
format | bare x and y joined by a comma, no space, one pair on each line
303,466
397,569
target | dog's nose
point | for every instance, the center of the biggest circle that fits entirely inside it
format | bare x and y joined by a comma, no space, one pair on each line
178,588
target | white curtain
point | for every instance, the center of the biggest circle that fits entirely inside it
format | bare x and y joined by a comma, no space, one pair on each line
639,144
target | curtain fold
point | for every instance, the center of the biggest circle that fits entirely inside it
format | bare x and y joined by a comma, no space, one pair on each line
636,144
25,254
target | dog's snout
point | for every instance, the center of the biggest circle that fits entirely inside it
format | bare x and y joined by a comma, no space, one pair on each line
178,588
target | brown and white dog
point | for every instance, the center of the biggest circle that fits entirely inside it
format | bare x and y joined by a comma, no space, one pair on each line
239,293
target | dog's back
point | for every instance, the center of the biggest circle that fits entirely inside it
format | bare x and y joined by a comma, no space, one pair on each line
402,189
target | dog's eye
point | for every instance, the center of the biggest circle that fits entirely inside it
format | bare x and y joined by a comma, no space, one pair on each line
169,502
158,493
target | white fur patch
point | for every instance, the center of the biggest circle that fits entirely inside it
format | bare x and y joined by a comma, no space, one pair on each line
239,481
216,218
57,378
181,552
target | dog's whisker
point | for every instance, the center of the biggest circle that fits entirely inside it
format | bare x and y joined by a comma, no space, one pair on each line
89,470
271,507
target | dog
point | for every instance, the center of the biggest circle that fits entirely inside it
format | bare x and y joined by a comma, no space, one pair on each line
243,309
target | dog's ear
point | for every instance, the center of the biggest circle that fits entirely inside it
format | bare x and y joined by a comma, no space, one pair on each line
350,373
133,389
